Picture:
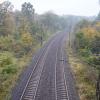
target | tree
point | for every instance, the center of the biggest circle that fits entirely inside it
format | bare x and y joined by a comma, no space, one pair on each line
24,26
95,45
6,18
50,21
28,11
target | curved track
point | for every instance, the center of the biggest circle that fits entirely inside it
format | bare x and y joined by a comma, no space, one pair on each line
48,79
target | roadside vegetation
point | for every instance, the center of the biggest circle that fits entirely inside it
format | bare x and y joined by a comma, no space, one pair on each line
88,43
84,57
85,76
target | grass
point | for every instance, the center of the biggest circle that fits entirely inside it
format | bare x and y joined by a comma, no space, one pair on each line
85,76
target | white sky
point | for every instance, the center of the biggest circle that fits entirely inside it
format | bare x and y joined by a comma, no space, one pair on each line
74,7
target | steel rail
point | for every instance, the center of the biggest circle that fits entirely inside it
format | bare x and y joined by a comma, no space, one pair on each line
55,73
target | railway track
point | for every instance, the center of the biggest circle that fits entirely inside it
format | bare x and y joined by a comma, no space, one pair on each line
30,89
60,80
47,80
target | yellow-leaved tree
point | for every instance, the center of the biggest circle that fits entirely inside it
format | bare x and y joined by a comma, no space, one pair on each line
90,32
27,39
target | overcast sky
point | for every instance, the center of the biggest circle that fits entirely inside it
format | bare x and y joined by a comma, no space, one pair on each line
74,7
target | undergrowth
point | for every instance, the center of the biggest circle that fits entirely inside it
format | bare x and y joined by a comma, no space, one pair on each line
85,76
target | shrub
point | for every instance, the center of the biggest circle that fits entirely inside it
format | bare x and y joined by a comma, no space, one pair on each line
82,41
11,69
6,42
8,62
27,39
84,52
96,60
93,60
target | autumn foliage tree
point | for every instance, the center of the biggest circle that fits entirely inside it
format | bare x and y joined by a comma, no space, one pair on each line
88,42
7,25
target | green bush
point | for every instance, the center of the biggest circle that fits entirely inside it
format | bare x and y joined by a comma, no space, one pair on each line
6,58
89,59
6,43
8,62
89,48
96,60
93,60
84,52
82,41
11,69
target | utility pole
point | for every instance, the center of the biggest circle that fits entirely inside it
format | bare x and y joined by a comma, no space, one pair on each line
70,30
42,31
69,38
